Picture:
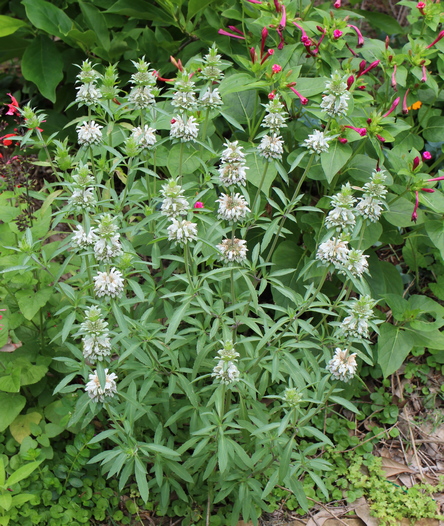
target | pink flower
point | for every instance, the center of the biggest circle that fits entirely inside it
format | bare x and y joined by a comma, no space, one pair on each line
395,67
199,204
267,54
264,35
372,65
437,39
424,73
254,1
350,81
13,106
343,140
232,35
420,6
426,156
392,107
304,100
283,21
358,34
337,4
362,131
253,55
416,162
405,108
337,33
271,95
275,68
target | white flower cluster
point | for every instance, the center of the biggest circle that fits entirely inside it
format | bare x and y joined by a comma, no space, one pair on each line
317,142
210,99
336,251
226,370
342,366
182,231
336,96
96,341
107,245
143,94
145,136
271,146
232,207
82,239
174,203
359,313
98,393
184,129
89,133
88,93
109,283
233,250
342,216
211,65
83,194
232,169
370,205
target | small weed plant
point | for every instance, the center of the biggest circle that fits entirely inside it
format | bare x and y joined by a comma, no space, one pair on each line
204,277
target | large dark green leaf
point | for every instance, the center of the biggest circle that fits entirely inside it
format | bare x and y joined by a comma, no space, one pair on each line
9,25
43,65
48,17
96,21
11,405
31,302
333,160
434,132
435,230
394,346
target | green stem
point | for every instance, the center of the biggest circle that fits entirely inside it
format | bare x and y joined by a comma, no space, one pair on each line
180,162
45,147
186,257
259,188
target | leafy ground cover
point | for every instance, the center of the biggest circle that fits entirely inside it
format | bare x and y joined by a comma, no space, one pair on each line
221,270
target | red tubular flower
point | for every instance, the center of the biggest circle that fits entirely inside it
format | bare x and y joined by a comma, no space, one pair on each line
232,35
405,108
253,55
358,34
415,209
304,100
156,73
304,36
350,81
416,162
199,204
13,106
424,73
395,67
275,68
428,190
392,107
337,33
283,21
267,54
277,6
437,39
337,4
435,179
254,1
362,131
426,156
264,36
343,140
380,138
372,65
5,140
176,63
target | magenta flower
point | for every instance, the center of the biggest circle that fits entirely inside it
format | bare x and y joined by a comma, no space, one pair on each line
416,162
267,54
283,21
277,6
337,33
13,106
253,55
264,35
337,4
232,35
392,107
254,1
437,39
362,131
372,65
358,34
420,6
343,140
424,73
394,83
281,37
275,68
426,156
415,209
350,81
199,204
304,100
405,108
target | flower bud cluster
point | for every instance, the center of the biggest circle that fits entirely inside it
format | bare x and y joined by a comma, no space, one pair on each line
96,340
87,92
143,94
336,95
226,370
82,197
337,252
271,146
360,311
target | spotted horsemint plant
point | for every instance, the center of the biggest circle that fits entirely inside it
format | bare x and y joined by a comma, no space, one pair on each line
96,391
343,365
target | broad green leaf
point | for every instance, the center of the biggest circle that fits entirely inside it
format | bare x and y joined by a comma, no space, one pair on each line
435,230
400,213
31,302
142,483
255,173
21,427
22,473
434,132
141,9
188,158
2,472
95,19
5,501
194,6
45,15
11,405
11,382
43,65
9,25
335,158
394,346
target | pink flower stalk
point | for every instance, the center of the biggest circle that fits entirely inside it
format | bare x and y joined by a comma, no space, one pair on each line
416,162
277,6
227,34
254,1
420,6
304,37
337,4
372,65
283,21
350,81
275,68
424,73
394,83
264,36
358,34
199,204
304,100
362,131
343,140
281,38
428,190
13,106
236,30
437,39
415,209
337,33
435,179
426,156
351,50
267,54
253,55
392,107
405,108
380,138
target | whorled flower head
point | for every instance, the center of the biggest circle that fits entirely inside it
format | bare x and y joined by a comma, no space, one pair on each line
375,187
335,106
226,372
334,250
88,94
292,397
106,227
360,311
211,65
356,262
105,249
174,206
340,218
145,137
109,283
233,173
233,250
232,207
369,208
184,100
317,142
337,85
82,176
96,348
343,366
83,198
211,99
182,231
144,76
98,393
228,353
142,97
274,121
89,133
271,146
184,81
94,324
344,198
185,130
87,73
232,153
81,239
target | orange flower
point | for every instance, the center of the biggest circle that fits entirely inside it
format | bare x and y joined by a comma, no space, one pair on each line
416,105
